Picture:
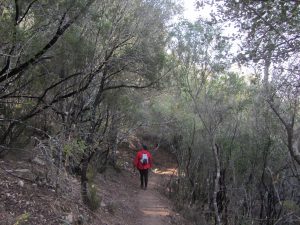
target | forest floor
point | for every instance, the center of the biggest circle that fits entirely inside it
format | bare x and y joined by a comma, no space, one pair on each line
122,202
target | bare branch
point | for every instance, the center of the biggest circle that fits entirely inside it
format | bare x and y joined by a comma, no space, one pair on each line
26,11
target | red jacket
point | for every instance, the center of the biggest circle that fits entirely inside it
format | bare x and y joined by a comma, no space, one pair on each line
137,161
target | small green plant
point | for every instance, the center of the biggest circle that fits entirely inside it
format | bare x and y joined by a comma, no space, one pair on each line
290,205
73,147
91,173
23,218
93,199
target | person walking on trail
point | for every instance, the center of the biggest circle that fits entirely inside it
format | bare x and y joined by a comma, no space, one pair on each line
143,162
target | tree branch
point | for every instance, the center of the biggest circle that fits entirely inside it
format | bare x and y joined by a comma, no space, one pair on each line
270,25
26,11
59,32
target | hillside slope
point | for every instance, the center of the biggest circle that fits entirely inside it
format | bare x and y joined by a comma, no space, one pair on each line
26,201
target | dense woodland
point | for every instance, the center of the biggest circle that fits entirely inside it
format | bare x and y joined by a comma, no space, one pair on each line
79,77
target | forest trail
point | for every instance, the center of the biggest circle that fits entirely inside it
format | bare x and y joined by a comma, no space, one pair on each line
131,205
121,201
154,206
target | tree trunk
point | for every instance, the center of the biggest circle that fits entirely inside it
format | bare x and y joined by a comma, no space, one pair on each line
113,138
216,186
84,180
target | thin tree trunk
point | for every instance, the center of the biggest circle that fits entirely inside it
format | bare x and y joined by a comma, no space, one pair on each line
216,186
84,180
267,68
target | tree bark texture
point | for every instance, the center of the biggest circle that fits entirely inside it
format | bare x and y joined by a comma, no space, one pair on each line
216,183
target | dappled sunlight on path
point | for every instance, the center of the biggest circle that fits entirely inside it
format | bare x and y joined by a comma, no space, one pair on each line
169,171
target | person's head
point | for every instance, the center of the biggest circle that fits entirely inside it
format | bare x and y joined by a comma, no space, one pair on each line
144,146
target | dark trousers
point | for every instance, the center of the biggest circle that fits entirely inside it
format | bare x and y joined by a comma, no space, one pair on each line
144,177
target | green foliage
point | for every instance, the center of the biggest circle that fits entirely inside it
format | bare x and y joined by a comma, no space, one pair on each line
291,206
74,147
93,199
22,219
91,173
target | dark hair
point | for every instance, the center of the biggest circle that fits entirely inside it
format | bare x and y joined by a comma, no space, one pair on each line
144,146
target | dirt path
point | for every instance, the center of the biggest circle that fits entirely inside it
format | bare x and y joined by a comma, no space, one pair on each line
155,208
124,203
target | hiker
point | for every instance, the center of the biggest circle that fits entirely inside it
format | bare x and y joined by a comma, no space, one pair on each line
143,162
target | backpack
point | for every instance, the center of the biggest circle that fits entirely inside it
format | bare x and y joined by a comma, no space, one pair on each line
144,160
